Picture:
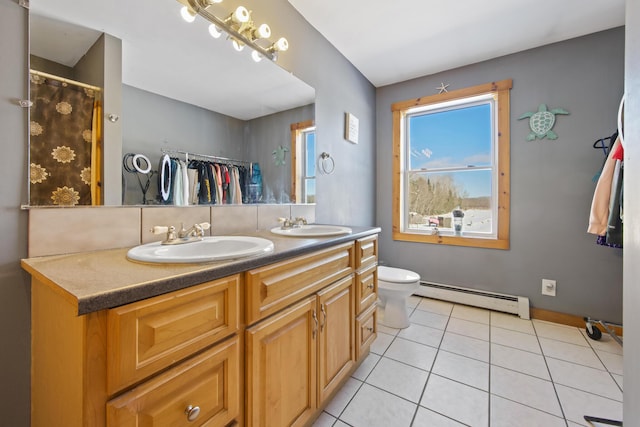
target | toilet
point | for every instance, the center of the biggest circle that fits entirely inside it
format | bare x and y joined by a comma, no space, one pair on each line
395,285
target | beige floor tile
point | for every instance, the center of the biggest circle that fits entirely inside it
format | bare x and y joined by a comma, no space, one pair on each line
525,389
473,314
506,413
468,328
457,401
520,361
466,346
515,339
412,353
512,322
373,407
462,369
400,379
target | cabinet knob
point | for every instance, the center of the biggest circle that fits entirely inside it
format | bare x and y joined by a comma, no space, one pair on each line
192,412
370,329
370,286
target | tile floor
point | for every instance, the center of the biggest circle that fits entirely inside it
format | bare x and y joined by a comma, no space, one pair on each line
463,366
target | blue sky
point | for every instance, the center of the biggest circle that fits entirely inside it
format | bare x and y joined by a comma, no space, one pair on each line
454,138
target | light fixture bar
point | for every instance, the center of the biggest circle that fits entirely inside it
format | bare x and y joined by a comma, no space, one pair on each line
200,8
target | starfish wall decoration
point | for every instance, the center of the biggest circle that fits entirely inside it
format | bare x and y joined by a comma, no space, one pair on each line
442,88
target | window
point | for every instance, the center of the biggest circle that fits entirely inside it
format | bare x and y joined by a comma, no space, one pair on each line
303,174
451,167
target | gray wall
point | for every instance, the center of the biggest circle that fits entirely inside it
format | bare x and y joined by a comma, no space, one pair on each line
151,122
265,134
632,213
14,284
347,196
551,181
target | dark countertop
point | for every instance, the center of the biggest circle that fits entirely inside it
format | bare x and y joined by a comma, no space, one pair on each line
105,279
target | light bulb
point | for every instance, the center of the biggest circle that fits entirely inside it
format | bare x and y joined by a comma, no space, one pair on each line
256,56
214,31
187,14
281,45
241,15
237,45
262,32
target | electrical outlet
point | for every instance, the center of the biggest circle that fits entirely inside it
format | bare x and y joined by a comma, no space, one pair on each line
549,287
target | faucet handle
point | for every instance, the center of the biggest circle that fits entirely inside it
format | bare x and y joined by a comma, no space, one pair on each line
159,229
301,220
205,225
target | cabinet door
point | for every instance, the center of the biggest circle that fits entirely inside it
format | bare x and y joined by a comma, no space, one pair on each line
282,366
203,391
336,352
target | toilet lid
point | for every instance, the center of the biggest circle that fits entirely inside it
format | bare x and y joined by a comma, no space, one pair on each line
397,275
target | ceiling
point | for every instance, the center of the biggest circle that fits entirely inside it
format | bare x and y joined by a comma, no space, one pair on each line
163,54
388,41
394,41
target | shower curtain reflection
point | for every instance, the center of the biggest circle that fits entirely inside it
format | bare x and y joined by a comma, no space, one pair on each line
64,156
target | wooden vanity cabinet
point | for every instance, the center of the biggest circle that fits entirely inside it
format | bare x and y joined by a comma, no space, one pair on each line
143,363
266,347
298,357
366,293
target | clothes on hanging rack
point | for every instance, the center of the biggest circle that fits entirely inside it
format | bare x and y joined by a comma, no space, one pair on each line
605,218
202,182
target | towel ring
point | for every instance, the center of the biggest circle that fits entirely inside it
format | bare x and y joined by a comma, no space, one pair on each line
327,164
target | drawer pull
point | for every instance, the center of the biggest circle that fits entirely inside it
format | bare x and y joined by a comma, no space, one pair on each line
192,412
315,326
324,319
370,286
370,329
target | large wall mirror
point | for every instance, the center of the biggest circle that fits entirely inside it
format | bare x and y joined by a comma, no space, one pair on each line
153,85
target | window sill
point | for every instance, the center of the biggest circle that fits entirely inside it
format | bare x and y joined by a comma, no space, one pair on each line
452,240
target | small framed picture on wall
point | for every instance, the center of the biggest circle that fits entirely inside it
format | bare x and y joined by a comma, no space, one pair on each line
351,125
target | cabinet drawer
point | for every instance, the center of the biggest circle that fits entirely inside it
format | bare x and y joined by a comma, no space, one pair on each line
366,251
276,286
208,383
366,329
366,287
147,336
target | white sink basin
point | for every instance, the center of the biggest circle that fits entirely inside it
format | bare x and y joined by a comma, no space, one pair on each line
213,248
312,230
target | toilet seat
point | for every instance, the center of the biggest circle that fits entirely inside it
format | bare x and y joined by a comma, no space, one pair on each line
397,275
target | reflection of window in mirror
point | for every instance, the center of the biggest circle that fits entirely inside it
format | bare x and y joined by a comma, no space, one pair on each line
303,154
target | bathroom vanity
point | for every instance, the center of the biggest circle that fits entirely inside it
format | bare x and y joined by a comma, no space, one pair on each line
263,341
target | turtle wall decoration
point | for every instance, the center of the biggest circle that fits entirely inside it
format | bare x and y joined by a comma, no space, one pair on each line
541,122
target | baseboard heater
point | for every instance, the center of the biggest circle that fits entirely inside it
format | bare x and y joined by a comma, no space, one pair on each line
491,300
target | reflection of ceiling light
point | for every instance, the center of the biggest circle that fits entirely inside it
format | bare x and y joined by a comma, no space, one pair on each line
237,45
188,14
239,27
281,45
256,56
262,32
241,15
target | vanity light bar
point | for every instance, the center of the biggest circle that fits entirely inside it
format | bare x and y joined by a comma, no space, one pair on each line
239,27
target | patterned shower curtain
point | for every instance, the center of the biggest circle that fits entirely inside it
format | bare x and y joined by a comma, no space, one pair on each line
63,144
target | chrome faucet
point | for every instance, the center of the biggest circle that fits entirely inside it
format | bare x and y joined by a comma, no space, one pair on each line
192,234
288,223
